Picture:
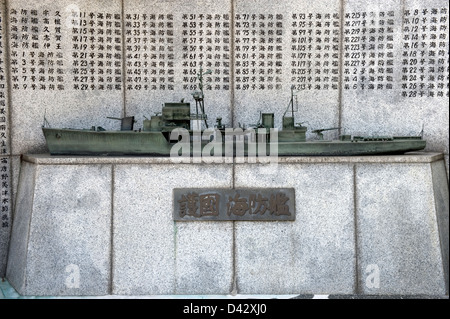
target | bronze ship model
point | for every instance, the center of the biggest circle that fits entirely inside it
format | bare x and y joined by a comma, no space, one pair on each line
172,134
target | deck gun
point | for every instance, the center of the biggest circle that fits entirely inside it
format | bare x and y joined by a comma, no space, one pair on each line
319,132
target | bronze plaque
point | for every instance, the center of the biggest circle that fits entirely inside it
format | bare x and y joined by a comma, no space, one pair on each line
249,204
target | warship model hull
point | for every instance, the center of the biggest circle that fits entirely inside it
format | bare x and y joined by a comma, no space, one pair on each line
156,137
148,143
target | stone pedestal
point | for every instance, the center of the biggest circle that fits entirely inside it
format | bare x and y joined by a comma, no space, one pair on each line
375,67
104,226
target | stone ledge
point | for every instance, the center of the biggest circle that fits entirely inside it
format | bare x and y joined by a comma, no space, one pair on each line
412,157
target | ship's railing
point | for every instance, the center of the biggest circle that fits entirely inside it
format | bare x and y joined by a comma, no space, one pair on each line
373,138
407,137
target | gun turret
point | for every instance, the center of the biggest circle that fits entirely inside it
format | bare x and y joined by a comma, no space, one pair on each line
319,132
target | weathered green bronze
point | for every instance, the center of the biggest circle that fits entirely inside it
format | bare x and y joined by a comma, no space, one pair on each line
172,129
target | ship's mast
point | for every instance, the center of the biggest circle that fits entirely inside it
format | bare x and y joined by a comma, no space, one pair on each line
292,101
202,103
199,96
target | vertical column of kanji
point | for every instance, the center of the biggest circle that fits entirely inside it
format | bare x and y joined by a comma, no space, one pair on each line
5,149
395,69
166,45
424,68
66,64
291,44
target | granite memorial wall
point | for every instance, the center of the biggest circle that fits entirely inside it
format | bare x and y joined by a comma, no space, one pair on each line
368,67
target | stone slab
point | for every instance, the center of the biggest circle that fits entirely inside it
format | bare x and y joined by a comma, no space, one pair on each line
314,254
9,166
413,157
395,59
291,44
61,241
17,258
155,255
398,241
166,43
447,165
441,197
5,107
66,64
5,147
